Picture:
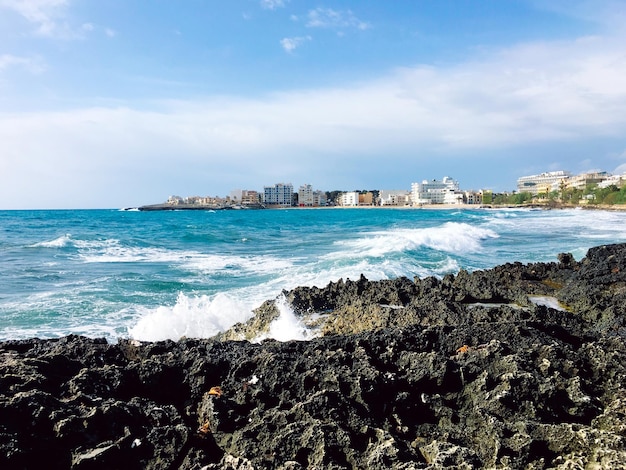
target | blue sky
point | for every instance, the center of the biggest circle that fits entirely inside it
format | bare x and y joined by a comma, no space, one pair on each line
120,103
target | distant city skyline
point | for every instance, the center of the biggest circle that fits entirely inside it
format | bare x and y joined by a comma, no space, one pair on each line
554,175
113,104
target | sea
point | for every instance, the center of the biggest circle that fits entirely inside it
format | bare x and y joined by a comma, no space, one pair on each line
153,276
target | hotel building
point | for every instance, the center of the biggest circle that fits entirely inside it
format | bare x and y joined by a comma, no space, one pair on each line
541,183
445,191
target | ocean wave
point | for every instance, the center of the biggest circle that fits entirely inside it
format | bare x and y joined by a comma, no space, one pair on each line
116,253
451,237
192,317
253,264
60,242
112,251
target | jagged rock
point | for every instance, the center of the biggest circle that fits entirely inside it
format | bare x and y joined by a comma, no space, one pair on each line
468,371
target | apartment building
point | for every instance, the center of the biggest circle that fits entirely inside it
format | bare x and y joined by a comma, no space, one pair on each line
278,195
395,197
350,198
473,197
613,180
249,197
366,199
305,196
583,180
444,191
319,199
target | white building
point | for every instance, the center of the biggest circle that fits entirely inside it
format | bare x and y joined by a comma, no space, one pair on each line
541,183
585,179
278,195
394,198
445,191
349,199
615,180
305,196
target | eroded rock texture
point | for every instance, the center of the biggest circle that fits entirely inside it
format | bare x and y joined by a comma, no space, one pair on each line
468,371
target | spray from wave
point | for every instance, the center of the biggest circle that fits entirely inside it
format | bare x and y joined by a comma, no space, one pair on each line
192,317
287,326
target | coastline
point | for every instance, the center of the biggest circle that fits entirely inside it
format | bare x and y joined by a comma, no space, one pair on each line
470,371
535,206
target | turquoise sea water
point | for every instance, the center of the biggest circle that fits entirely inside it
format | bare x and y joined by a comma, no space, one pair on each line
158,275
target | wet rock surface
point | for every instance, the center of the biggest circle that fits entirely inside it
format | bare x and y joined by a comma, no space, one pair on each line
475,370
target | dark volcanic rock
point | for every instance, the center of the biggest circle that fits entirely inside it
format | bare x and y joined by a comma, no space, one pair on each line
468,371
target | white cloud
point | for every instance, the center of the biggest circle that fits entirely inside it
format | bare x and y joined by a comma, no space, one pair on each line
33,65
562,93
273,4
334,19
45,14
112,33
291,44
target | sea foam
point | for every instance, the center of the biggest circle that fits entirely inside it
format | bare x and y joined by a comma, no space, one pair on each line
193,317
60,242
203,317
450,237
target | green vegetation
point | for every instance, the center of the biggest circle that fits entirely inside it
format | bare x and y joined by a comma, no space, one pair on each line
592,195
516,198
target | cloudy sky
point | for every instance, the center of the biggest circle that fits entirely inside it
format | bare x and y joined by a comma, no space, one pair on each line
118,103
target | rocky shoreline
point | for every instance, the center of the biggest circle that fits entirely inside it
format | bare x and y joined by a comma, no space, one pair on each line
519,366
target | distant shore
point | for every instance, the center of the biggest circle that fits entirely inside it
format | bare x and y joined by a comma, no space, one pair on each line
199,207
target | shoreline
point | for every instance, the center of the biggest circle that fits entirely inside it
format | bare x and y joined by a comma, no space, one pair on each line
198,207
464,372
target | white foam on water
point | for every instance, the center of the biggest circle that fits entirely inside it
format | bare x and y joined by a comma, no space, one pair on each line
59,242
193,317
112,251
115,253
451,237
209,263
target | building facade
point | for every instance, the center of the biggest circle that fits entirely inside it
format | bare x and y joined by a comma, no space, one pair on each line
583,180
541,183
366,199
349,199
307,197
319,198
394,197
445,191
473,197
613,180
278,195
249,198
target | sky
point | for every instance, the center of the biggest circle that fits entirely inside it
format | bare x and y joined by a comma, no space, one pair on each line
120,103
